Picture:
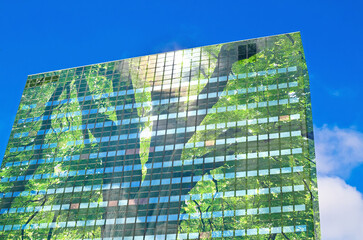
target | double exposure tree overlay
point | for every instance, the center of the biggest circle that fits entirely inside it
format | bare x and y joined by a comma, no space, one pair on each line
76,135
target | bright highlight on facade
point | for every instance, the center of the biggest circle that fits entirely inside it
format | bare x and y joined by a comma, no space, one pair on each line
213,142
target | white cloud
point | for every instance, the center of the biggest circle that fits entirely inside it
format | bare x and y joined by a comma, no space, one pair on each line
341,210
338,150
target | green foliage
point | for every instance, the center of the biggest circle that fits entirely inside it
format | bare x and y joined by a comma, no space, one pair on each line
276,52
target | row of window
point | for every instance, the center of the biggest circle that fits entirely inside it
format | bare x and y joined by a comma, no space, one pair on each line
180,236
137,105
137,183
176,84
170,147
162,200
162,89
156,102
177,217
127,168
183,57
170,58
169,116
138,167
187,129
154,200
202,127
160,117
154,133
172,131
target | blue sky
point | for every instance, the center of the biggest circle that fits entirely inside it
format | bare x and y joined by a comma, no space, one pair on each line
39,36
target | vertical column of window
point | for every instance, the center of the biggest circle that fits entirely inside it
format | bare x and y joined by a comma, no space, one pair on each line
83,163
113,140
89,120
64,198
284,114
243,129
85,109
150,77
111,162
193,120
264,94
134,134
165,105
167,174
66,189
177,74
76,197
80,85
156,97
175,171
111,71
276,162
156,67
192,104
211,132
157,173
263,162
231,132
270,127
61,197
204,103
123,129
121,101
263,146
249,133
168,93
219,86
181,72
220,150
257,162
182,122
298,91
117,129
162,122
299,197
130,94
132,144
46,124
89,130
142,192
84,102
285,143
202,106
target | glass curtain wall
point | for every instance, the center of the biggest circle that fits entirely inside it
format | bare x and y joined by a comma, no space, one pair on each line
202,143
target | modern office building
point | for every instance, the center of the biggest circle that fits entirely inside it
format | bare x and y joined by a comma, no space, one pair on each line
213,142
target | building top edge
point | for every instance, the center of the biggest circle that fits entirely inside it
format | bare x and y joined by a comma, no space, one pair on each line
162,52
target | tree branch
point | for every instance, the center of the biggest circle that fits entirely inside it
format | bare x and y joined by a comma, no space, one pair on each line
31,217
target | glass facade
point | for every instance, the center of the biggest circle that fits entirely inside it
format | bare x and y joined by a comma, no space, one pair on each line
213,142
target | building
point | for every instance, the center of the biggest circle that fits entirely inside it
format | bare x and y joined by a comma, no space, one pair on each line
209,142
